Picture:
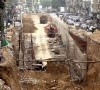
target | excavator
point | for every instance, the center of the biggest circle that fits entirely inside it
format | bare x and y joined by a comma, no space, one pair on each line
51,31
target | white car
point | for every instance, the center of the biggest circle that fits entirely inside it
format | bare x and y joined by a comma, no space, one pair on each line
70,22
77,24
84,26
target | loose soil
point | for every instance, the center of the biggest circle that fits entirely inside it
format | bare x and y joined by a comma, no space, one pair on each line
28,24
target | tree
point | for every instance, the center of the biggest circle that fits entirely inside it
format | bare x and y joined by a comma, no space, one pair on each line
2,6
58,3
46,3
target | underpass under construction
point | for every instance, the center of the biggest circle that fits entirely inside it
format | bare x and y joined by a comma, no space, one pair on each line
75,65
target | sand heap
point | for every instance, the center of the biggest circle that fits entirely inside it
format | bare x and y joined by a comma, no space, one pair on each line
28,24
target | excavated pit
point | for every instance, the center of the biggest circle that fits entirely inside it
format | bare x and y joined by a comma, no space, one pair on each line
56,77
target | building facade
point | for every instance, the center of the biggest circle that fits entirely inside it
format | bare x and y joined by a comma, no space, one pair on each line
95,6
78,6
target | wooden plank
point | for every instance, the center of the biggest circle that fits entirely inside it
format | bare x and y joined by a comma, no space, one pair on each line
36,64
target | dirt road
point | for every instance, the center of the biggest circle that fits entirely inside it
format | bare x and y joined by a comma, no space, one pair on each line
41,52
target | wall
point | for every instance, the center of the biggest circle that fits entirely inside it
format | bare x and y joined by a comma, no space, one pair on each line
73,52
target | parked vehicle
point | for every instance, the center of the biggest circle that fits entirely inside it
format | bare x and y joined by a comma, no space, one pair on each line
43,20
77,25
70,22
84,26
66,16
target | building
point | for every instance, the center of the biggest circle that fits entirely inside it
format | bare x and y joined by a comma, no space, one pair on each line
78,6
95,6
68,4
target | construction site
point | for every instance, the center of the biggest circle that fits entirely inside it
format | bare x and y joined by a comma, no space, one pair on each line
69,61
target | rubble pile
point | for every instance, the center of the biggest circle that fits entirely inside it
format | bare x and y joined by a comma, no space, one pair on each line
27,80
3,86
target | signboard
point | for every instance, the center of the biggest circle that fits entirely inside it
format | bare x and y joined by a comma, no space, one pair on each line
62,9
40,6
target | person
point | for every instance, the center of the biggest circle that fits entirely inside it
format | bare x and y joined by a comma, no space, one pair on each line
87,28
8,22
51,28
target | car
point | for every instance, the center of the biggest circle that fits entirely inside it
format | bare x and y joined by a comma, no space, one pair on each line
53,11
66,16
18,17
84,26
76,24
89,21
75,18
70,22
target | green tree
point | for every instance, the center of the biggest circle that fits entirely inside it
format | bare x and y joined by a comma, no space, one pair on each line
58,3
46,3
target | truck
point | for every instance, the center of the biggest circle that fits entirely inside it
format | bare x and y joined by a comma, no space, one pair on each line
43,19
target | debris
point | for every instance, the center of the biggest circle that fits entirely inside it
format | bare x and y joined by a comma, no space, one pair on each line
57,51
29,81
1,84
54,88
7,87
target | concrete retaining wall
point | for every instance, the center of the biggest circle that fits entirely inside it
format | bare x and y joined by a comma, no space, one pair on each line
73,52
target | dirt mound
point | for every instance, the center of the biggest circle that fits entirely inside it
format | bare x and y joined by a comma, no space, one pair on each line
8,70
55,78
96,36
28,24
57,67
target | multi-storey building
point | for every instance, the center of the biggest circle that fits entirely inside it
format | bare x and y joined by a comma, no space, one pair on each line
78,6
94,6
68,4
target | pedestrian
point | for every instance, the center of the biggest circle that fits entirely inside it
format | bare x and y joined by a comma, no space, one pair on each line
87,28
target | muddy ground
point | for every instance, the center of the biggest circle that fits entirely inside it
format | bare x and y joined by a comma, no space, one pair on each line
56,77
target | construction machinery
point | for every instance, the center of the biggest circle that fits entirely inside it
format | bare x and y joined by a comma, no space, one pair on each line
43,19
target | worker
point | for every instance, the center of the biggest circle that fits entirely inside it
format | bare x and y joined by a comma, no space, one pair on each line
51,28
